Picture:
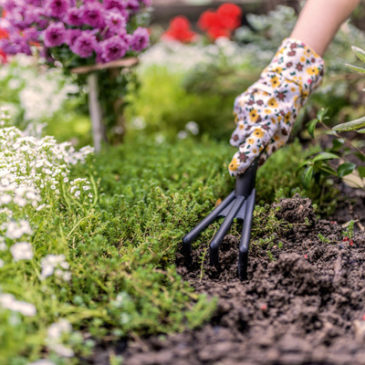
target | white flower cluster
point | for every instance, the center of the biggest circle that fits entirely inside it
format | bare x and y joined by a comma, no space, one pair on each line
81,186
55,334
190,127
179,57
31,170
41,91
9,302
55,264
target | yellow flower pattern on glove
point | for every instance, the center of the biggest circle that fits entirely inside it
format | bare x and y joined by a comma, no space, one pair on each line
266,112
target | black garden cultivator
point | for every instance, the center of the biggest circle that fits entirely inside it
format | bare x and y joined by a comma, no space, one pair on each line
238,204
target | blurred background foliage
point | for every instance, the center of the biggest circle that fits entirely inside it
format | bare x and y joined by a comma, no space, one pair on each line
198,82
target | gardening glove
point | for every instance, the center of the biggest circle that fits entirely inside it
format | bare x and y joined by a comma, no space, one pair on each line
266,112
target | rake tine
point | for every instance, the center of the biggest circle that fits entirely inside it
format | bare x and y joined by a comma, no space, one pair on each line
245,238
217,239
195,232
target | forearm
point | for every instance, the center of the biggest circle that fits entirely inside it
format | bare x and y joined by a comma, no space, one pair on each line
320,20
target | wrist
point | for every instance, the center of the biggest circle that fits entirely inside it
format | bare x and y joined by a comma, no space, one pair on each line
298,65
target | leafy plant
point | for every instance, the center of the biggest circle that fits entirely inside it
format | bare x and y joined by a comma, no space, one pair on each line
346,151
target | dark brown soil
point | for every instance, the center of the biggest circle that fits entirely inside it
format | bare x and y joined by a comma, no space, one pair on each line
306,305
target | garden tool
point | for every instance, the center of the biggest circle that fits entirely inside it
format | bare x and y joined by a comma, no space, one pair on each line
238,204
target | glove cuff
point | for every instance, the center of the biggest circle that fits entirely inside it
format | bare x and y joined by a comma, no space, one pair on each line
297,63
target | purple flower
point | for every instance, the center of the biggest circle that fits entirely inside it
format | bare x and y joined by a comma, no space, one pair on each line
54,35
113,49
15,45
35,2
72,35
74,17
115,22
57,8
10,5
31,35
93,15
140,39
115,4
17,18
36,16
85,45
133,5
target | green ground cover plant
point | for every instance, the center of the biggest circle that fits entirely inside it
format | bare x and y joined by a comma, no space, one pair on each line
111,247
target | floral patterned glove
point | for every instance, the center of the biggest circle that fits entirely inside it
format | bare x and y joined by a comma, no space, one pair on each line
266,112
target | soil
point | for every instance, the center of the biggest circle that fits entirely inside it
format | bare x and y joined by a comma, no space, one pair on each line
305,305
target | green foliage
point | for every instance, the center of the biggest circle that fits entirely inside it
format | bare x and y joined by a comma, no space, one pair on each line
347,151
167,107
323,239
360,54
349,232
122,247
279,177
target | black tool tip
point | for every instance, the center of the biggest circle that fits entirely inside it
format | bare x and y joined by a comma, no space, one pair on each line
242,265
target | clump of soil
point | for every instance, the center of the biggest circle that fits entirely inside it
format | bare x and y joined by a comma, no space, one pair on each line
306,306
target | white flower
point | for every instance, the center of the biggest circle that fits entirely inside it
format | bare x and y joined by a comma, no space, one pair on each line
57,329
5,199
138,123
192,127
55,264
54,337
16,230
1,263
182,135
160,138
22,251
9,302
62,350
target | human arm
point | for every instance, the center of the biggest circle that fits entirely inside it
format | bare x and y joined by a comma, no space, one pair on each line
266,112
319,21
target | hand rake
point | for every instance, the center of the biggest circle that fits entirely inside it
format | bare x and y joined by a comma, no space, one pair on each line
238,204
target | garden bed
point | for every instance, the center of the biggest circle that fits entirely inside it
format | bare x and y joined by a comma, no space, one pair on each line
302,305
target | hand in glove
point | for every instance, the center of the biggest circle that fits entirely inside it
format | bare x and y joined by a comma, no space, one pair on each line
266,112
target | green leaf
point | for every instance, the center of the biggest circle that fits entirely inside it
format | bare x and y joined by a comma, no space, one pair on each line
356,68
361,170
322,115
350,126
360,53
362,131
337,143
360,156
308,175
345,169
325,156
312,126
328,169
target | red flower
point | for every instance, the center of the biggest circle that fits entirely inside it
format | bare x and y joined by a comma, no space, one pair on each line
3,57
209,19
179,30
217,32
222,22
230,15
3,33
